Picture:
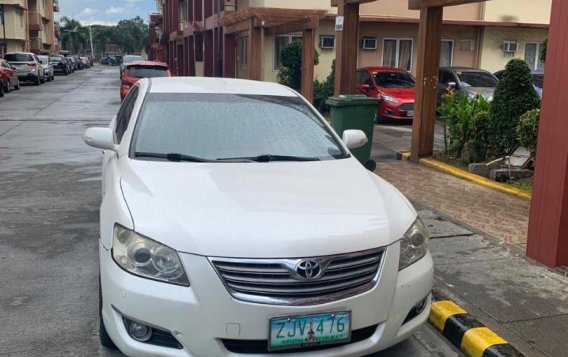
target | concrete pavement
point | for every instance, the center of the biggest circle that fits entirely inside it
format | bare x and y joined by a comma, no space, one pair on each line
49,201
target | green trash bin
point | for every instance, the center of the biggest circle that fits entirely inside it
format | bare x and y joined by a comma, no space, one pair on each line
354,112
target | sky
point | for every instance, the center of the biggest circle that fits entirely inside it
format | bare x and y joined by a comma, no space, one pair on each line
105,12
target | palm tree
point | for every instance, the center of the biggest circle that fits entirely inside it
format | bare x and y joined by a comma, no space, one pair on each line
73,36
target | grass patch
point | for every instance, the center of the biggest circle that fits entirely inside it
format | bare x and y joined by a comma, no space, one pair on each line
524,184
446,159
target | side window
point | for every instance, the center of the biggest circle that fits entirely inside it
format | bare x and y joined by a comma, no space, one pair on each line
445,77
123,117
366,79
359,77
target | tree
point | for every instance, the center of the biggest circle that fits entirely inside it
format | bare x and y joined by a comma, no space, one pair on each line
543,51
514,96
132,35
73,35
102,35
290,73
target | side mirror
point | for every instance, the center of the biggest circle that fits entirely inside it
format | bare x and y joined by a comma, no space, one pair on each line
100,138
452,84
354,139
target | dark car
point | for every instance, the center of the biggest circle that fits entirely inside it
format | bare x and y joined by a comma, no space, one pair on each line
78,63
60,65
8,77
467,81
109,61
538,80
395,87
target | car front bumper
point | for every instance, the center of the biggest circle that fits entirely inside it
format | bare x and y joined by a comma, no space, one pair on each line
203,315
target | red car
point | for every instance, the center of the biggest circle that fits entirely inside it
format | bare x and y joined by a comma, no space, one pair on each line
394,86
8,77
134,71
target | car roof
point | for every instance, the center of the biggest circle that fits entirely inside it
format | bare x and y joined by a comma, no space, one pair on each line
464,69
382,69
218,86
147,63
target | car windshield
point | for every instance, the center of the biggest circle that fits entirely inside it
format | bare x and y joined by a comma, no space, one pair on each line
43,59
538,80
127,59
477,79
394,80
18,57
147,71
230,126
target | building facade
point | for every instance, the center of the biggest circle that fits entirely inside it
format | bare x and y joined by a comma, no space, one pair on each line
213,37
28,25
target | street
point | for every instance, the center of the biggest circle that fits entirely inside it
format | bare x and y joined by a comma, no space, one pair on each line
49,202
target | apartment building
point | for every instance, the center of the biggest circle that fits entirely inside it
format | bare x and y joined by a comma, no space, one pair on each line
213,37
28,25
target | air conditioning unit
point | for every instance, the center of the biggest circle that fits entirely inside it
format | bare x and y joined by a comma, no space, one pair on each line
510,46
369,43
327,42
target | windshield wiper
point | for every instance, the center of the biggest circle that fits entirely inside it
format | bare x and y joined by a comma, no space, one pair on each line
171,157
269,158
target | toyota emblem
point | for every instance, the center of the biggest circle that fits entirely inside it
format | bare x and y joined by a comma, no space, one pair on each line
308,269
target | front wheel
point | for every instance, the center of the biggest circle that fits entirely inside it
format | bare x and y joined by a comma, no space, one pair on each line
37,81
17,86
1,91
7,89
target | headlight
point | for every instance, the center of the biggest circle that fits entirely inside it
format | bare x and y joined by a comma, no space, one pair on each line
414,245
146,258
388,98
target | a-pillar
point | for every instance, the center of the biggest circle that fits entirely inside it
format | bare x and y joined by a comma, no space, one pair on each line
308,49
347,48
429,45
548,224
229,56
255,52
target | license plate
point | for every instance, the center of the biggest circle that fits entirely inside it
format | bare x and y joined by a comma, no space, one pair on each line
309,330
410,113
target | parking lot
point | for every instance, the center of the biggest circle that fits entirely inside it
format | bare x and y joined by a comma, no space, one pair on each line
49,201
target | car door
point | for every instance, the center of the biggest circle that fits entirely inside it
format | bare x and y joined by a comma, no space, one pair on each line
365,84
119,124
11,72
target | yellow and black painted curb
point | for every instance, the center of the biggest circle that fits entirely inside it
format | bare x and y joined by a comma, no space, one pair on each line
454,171
465,332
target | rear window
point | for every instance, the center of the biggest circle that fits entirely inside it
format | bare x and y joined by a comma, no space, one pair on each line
18,57
43,59
55,58
477,79
147,71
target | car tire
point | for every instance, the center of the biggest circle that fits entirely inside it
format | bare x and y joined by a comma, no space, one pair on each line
7,89
104,337
66,72
1,91
17,86
53,77
42,79
37,81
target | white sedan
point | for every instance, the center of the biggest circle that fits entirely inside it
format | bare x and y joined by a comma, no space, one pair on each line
234,222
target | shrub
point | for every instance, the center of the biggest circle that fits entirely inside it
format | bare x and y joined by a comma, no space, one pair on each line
527,130
290,72
324,90
514,96
460,116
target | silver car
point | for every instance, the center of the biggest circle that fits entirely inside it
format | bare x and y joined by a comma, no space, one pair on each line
47,68
466,81
28,66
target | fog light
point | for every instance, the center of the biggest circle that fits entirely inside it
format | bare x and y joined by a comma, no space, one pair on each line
419,308
139,332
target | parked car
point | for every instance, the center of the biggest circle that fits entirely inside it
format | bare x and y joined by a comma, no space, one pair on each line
47,68
214,209
109,61
538,80
395,87
78,63
60,65
27,65
127,59
74,64
466,81
141,69
8,77
86,62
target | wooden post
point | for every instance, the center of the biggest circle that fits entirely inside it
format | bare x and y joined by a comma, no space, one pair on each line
548,223
429,45
347,48
255,52
308,48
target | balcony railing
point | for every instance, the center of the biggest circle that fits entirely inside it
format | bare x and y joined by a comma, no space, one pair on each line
35,21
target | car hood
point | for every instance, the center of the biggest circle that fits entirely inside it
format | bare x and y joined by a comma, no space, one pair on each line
402,94
268,210
486,92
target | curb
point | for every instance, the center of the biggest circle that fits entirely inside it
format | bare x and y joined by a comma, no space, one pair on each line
465,332
482,181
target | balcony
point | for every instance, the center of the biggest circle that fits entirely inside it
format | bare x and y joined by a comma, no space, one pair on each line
36,44
35,21
19,3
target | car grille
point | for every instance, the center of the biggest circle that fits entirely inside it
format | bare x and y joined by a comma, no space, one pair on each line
261,346
285,282
407,107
